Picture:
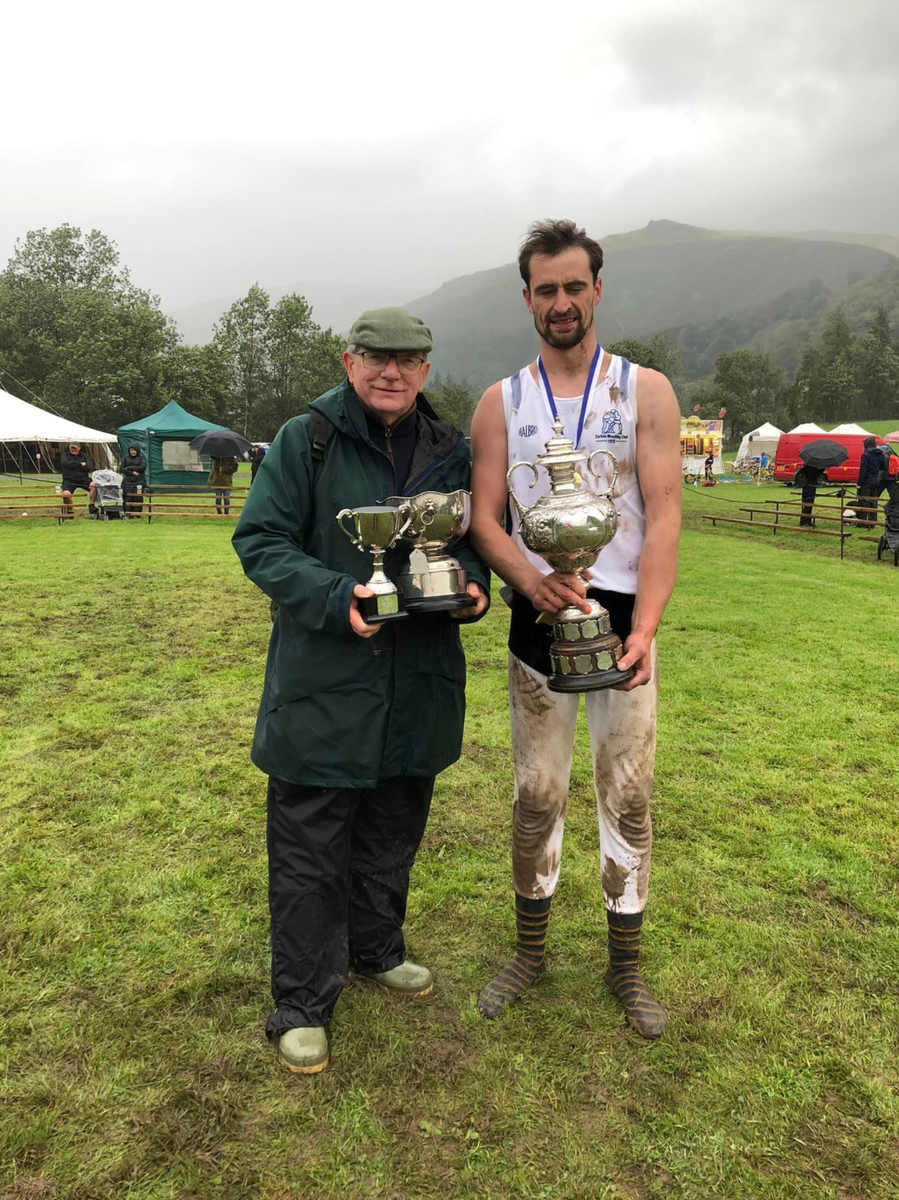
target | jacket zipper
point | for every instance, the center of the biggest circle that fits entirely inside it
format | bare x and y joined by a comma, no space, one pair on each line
388,446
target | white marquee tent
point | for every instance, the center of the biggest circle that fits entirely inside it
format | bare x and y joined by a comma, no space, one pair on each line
760,441
808,427
853,429
24,426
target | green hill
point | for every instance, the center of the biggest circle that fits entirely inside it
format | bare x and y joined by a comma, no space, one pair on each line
714,290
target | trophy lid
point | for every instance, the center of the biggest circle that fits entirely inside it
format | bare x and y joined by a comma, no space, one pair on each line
560,449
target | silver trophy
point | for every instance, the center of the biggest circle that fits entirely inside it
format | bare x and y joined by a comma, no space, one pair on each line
377,529
434,581
568,528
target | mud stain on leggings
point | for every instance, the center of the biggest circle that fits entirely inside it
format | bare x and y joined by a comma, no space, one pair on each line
623,786
528,693
614,879
537,816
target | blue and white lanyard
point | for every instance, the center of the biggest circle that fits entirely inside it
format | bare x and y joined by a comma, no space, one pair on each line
587,390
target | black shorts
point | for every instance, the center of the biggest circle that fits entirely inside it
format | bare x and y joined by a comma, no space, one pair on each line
530,642
67,486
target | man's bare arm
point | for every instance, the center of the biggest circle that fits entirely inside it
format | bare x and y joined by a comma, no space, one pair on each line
659,471
490,451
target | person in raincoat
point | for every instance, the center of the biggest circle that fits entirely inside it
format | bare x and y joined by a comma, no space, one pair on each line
134,479
356,720
221,480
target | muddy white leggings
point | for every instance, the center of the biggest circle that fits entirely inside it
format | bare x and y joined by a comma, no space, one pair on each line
622,741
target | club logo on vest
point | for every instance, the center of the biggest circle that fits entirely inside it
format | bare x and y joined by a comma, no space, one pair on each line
612,429
526,430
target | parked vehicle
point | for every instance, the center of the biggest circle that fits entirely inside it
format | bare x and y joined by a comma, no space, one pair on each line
787,461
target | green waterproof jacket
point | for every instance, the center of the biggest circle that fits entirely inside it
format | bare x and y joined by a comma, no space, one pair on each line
339,710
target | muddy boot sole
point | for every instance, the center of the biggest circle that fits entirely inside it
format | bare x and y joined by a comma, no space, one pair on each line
392,991
314,1069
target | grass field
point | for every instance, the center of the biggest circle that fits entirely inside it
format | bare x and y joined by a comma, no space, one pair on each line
133,922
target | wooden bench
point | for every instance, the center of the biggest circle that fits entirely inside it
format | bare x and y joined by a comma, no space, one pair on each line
773,525
814,515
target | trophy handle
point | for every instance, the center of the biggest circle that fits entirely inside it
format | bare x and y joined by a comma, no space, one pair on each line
521,508
406,512
427,513
348,512
611,457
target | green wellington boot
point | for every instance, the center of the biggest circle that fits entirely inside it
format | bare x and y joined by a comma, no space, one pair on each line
304,1051
407,979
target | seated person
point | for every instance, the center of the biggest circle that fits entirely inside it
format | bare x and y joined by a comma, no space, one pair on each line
76,474
134,479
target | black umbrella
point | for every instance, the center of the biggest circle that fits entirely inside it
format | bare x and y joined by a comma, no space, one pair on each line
220,443
821,454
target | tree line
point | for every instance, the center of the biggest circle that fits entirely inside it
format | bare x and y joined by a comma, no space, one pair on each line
79,336
842,376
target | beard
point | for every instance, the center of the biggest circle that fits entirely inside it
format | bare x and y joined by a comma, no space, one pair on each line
564,341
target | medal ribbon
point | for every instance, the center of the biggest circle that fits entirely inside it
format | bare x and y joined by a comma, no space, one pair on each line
587,390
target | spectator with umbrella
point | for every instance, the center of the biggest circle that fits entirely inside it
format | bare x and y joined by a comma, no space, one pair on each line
817,457
223,446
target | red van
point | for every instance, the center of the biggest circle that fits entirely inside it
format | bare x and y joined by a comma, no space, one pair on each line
787,461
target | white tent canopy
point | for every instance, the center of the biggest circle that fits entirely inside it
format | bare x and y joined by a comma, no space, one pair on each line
853,429
760,441
22,422
808,427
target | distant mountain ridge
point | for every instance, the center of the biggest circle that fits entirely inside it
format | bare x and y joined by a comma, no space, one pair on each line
712,290
667,275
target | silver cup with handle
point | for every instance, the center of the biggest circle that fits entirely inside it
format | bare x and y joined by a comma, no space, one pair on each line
434,581
377,529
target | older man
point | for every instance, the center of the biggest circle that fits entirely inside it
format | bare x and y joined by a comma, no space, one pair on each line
76,473
356,719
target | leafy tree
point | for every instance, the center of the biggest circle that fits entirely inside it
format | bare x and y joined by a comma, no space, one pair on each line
304,361
198,378
454,401
77,333
636,352
836,336
880,330
241,338
748,385
669,358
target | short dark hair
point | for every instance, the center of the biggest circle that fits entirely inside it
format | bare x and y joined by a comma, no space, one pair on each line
552,238
869,443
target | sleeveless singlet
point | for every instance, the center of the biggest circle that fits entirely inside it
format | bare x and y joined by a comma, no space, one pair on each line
610,424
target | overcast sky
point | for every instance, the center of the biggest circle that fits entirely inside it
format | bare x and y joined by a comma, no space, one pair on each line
220,144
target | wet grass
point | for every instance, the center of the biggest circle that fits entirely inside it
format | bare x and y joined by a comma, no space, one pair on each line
133,931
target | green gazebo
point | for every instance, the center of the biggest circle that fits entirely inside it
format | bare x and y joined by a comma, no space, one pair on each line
163,437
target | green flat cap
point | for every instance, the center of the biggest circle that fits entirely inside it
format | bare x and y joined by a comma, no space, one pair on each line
390,329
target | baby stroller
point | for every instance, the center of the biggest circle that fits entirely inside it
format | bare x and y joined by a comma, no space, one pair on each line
889,539
109,495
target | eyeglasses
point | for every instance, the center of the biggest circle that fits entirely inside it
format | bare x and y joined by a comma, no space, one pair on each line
377,360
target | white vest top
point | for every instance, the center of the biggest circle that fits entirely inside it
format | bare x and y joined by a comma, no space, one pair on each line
610,424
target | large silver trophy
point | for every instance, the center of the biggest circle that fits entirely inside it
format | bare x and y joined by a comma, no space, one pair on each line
568,527
377,529
434,581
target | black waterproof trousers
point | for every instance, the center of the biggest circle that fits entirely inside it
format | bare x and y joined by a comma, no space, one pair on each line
867,503
338,869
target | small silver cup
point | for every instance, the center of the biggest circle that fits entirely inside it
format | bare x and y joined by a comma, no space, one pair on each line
377,529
